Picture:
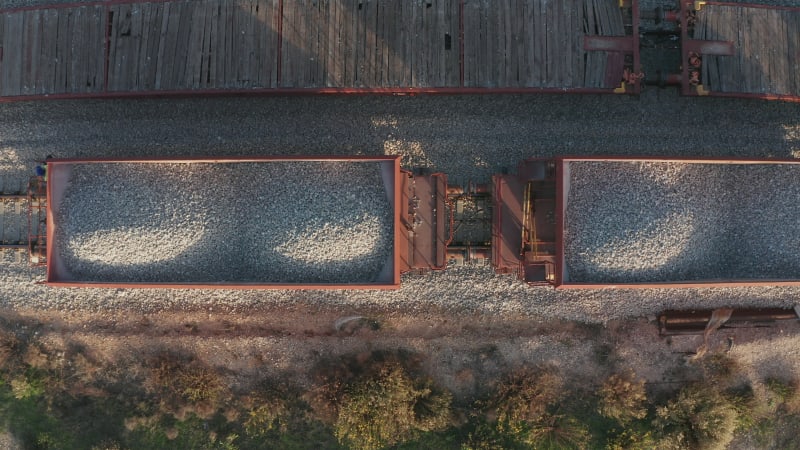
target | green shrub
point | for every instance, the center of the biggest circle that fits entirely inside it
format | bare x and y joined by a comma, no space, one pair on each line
623,398
268,416
388,409
784,394
699,417
633,439
485,436
558,432
31,384
523,398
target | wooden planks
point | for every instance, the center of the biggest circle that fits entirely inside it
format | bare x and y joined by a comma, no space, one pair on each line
205,44
602,69
767,49
370,43
12,54
51,51
182,45
536,43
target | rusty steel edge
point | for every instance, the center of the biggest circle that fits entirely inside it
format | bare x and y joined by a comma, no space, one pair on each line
395,284
232,286
268,92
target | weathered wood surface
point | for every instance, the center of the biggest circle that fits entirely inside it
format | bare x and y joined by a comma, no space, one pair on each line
170,46
767,49
206,44
51,51
521,43
370,43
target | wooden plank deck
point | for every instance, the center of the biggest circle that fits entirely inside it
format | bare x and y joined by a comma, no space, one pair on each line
206,44
538,43
109,48
766,44
369,43
50,51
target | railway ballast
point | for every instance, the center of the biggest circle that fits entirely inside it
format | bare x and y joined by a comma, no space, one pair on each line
360,222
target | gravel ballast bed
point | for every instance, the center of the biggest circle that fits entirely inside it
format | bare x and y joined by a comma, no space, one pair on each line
270,222
466,137
629,222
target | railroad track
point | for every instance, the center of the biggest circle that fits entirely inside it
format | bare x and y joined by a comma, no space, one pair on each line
22,215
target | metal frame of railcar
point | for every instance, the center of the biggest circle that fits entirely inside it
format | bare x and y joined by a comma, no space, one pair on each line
57,182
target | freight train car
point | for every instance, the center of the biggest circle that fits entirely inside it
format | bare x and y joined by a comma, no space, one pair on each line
359,222
647,222
272,222
115,48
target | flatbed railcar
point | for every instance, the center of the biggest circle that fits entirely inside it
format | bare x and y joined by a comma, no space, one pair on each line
113,48
522,223
118,48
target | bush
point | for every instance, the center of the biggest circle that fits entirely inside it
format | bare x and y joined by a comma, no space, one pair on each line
269,416
785,394
622,397
198,384
389,409
10,348
525,413
484,437
523,399
633,439
558,432
186,386
699,417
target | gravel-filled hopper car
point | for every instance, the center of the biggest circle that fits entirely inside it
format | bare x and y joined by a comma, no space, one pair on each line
360,222
271,222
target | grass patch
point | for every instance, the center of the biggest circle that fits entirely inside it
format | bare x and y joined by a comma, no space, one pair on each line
28,419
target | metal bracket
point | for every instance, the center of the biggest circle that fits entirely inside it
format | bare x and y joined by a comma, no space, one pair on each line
702,47
698,5
608,43
621,89
701,90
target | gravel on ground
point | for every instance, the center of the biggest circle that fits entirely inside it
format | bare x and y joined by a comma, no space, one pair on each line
466,137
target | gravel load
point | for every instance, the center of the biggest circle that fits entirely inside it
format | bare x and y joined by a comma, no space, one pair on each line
668,222
273,222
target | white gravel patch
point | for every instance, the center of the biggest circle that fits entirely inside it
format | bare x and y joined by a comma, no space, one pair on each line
276,222
661,222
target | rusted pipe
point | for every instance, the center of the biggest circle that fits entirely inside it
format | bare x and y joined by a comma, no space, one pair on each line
665,79
695,322
662,15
